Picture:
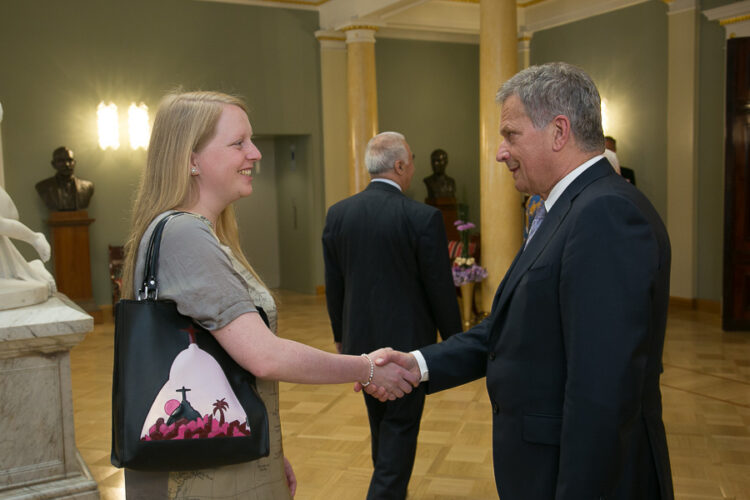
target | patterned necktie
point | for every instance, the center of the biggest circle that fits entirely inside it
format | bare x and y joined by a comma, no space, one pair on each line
539,215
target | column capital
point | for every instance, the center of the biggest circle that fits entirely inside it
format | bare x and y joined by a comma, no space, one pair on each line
360,33
331,39
524,39
734,17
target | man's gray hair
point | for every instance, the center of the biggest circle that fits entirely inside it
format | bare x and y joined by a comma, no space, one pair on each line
559,88
384,150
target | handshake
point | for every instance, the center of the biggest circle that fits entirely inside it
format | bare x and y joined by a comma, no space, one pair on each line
395,374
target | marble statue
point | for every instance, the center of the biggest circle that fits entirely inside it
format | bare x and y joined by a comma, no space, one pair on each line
21,282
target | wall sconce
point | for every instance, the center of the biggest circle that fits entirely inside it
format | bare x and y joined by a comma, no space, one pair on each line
109,130
138,126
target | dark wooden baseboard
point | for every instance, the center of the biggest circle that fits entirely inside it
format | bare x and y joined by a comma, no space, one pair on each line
705,305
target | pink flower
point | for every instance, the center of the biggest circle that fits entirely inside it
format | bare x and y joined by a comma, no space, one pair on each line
468,273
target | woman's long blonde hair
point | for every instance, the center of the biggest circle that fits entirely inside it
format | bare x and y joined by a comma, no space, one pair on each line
184,123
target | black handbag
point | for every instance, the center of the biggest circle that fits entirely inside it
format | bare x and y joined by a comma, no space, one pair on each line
179,401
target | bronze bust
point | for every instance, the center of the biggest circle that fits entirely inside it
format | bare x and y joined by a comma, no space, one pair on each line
64,191
438,184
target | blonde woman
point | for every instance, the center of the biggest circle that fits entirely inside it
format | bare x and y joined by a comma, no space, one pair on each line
200,161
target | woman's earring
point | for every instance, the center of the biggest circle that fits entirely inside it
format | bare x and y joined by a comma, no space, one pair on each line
193,171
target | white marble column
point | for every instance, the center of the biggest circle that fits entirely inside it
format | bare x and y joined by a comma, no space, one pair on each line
682,171
502,214
362,99
335,114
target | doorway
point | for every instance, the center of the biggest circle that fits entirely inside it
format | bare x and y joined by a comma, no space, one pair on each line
736,295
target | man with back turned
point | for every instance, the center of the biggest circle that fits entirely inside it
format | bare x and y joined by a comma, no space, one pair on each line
388,283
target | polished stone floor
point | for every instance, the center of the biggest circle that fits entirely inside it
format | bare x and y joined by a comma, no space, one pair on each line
706,394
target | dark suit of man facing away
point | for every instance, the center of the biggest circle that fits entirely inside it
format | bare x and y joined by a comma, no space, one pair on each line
388,283
572,347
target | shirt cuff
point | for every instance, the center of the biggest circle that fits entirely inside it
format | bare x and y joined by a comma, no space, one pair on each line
422,366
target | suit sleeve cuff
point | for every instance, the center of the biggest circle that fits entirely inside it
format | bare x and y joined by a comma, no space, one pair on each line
422,366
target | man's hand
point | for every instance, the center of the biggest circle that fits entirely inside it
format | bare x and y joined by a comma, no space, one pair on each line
395,374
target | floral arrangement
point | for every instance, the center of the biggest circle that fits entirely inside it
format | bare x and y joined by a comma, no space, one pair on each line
465,269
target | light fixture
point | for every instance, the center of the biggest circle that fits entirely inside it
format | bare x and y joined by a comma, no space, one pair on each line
109,130
138,126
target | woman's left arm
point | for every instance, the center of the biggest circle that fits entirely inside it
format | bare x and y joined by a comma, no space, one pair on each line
255,348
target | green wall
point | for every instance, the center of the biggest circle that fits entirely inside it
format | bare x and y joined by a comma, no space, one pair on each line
429,92
625,52
58,60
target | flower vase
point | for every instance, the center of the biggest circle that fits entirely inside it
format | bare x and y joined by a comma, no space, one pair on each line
467,302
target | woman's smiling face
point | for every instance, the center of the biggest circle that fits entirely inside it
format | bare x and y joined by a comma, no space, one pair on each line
224,164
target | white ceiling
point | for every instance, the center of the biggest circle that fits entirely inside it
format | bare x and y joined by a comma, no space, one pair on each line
446,20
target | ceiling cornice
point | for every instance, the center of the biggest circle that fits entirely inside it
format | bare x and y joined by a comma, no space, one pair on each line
735,17
287,4
444,20
553,13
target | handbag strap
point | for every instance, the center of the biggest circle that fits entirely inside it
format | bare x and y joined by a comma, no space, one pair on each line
150,286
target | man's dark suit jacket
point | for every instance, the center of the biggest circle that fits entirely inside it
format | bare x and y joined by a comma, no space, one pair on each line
572,351
388,277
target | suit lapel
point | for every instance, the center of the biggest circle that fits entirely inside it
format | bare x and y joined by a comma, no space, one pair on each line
547,230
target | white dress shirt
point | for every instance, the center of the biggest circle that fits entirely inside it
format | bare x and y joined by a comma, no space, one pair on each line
388,181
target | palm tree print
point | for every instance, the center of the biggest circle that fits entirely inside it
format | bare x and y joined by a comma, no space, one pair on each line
220,405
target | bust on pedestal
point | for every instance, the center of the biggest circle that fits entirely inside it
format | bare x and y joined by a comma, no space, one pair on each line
67,197
64,191
441,192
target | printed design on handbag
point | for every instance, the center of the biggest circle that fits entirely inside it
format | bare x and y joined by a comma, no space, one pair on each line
196,402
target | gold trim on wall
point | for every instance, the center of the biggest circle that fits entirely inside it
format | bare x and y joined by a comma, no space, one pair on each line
529,3
732,20
519,4
311,3
360,27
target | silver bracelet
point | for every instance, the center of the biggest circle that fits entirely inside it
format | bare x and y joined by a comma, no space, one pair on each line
372,370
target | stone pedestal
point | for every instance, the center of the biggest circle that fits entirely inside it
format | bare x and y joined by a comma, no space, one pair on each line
449,208
39,458
70,242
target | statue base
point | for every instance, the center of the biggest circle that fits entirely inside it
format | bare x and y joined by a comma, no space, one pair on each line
70,243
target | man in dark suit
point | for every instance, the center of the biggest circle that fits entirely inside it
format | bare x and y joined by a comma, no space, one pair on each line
572,347
389,283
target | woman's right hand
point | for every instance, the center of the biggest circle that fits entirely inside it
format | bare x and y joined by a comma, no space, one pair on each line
390,380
